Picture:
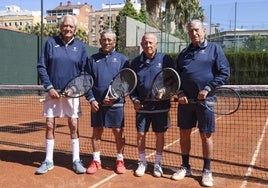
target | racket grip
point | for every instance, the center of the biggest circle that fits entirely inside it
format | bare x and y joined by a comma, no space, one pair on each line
42,100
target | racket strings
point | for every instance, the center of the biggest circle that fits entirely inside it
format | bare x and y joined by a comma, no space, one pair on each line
226,101
159,89
78,86
171,84
166,85
124,83
226,104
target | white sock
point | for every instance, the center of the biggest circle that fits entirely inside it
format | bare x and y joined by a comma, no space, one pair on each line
49,149
75,149
96,156
120,156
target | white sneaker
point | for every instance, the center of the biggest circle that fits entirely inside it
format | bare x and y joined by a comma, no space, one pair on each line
141,169
181,173
207,179
158,172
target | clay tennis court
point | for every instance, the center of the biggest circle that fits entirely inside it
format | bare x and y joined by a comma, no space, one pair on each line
240,149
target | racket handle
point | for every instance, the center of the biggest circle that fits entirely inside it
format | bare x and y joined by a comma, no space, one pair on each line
42,100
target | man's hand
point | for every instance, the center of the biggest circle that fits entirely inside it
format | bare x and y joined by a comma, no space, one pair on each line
109,101
53,94
160,93
94,106
68,92
202,95
137,105
183,100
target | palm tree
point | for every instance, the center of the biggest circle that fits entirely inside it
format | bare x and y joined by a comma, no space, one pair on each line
153,8
186,11
179,12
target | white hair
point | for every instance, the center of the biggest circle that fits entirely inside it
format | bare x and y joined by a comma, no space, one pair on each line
199,22
63,18
109,31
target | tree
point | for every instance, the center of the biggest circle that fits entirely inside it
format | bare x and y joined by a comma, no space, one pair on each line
154,10
186,11
50,30
82,35
128,10
143,12
179,12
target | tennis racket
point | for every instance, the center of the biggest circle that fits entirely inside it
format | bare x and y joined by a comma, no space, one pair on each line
223,101
165,84
122,84
76,87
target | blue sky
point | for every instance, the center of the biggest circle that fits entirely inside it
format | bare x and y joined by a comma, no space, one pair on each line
50,4
248,13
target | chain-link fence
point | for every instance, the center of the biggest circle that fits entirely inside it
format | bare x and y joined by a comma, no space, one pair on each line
238,26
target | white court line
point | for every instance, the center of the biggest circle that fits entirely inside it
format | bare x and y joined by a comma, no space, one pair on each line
147,156
255,156
107,179
104,180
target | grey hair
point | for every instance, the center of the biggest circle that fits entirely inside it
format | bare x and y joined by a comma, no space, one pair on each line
199,22
109,31
150,33
75,21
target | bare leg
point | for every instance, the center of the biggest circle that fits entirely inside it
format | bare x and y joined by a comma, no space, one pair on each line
119,139
207,146
50,128
185,141
96,138
73,126
160,141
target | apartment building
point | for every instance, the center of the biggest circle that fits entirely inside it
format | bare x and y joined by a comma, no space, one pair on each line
15,18
230,39
89,20
81,11
98,21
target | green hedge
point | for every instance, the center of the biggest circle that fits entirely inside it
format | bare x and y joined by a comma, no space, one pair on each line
247,68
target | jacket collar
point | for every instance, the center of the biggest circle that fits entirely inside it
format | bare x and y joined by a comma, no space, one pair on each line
203,45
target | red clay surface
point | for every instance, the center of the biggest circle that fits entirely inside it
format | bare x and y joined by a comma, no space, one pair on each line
240,150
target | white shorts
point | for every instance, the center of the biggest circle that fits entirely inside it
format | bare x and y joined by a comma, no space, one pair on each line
62,107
